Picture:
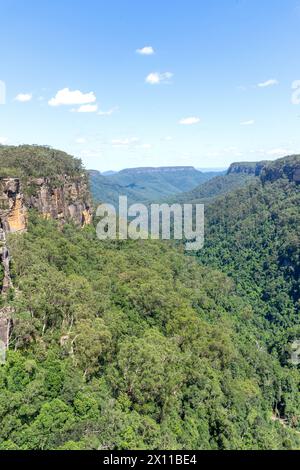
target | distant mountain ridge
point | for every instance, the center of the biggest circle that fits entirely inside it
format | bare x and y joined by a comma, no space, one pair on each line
159,169
145,184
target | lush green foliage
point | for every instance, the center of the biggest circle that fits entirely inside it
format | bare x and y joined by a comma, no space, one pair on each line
287,168
140,185
253,235
206,192
36,161
132,345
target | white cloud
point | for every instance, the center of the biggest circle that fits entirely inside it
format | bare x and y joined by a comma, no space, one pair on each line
251,122
268,83
80,140
68,97
227,152
90,153
279,152
3,140
147,50
86,108
125,142
189,121
155,78
23,97
296,93
109,112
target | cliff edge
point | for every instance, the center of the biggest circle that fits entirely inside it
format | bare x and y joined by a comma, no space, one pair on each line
50,181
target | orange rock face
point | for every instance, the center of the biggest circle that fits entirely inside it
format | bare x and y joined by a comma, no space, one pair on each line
17,217
13,212
86,218
66,199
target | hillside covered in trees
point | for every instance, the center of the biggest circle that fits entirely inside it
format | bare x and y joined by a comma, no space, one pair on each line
144,185
36,161
134,345
131,345
206,192
253,235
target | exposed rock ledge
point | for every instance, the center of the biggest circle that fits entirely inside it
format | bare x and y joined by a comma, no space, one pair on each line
65,199
13,212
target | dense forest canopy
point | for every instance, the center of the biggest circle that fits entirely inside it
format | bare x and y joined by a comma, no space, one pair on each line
219,185
36,161
253,236
134,345
143,185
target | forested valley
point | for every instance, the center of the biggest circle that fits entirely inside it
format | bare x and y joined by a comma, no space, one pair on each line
137,345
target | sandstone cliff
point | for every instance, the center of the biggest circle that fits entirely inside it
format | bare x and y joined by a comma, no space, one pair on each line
64,199
247,168
13,212
47,180
287,167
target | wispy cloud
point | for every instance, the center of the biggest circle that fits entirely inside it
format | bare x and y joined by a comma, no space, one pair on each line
296,93
189,121
268,83
3,140
68,97
155,78
279,152
251,122
23,97
126,142
109,112
147,50
89,152
86,108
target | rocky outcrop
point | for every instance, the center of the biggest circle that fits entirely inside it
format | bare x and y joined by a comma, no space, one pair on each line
288,168
5,261
13,212
65,199
247,168
6,313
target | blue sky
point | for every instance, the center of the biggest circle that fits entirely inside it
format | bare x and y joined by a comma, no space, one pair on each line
219,80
